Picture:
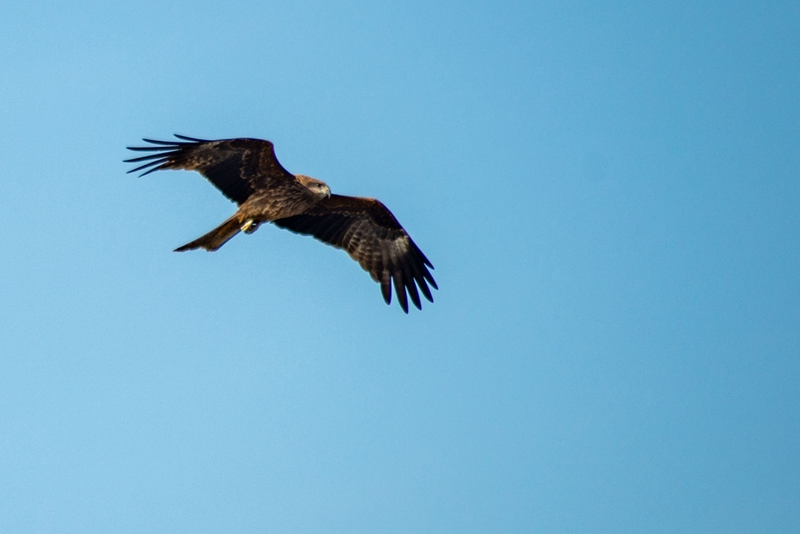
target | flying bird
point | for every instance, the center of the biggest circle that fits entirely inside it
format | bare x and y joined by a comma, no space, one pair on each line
248,173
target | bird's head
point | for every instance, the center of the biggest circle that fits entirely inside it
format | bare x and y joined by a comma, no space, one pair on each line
317,187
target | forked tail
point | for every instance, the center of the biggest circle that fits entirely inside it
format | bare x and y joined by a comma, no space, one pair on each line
216,237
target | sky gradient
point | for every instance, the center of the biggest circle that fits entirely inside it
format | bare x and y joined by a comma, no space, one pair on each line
610,194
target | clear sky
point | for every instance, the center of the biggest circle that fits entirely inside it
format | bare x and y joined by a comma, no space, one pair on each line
610,194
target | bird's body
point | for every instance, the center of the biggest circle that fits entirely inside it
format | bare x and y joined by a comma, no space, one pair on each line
262,207
248,173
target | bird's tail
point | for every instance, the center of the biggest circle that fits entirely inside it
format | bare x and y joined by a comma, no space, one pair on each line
216,237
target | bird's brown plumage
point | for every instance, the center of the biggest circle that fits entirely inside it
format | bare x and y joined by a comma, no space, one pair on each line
247,172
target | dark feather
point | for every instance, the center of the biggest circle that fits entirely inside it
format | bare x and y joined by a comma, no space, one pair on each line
237,167
193,139
145,158
371,235
148,148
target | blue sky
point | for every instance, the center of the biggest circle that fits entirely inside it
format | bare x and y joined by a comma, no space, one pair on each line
610,194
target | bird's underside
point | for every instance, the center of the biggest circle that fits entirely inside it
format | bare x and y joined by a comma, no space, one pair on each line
248,173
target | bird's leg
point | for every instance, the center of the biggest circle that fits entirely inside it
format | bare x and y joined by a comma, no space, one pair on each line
249,226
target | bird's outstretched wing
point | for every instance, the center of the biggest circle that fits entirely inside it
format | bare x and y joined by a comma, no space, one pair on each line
371,235
237,167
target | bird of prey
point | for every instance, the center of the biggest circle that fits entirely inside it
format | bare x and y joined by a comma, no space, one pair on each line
248,173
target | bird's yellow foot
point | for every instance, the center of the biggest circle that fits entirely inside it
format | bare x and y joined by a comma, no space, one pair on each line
249,226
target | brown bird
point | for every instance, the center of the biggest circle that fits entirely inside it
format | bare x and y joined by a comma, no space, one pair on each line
247,172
